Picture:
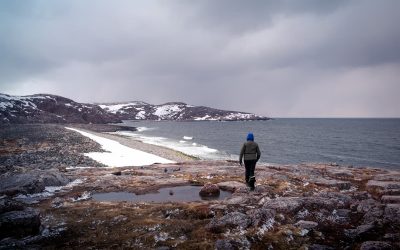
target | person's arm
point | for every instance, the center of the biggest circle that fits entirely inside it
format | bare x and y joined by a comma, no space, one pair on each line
258,153
241,154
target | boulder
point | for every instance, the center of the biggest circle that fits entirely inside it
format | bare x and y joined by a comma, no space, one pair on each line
373,216
19,223
344,213
391,215
118,173
7,205
224,245
230,244
362,231
366,205
230,220
363,195
375,245
231,186
209,190
261,216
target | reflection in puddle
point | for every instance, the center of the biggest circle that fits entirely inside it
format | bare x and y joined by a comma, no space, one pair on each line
171,194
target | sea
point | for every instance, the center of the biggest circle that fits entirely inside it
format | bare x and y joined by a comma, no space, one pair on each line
355,142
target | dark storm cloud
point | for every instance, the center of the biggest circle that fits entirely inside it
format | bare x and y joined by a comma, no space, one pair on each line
239,16
293,58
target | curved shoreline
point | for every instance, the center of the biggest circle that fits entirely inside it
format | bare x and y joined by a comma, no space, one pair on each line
160,151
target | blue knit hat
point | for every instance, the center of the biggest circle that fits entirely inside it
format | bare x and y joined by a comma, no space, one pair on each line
250,137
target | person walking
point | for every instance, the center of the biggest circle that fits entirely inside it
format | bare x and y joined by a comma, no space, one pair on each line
250,152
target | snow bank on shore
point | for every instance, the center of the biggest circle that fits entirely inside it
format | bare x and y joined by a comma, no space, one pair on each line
119,155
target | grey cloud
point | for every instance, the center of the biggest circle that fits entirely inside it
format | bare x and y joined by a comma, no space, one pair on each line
242,16
285,55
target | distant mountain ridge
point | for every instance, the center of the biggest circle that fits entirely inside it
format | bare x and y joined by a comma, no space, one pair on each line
46,108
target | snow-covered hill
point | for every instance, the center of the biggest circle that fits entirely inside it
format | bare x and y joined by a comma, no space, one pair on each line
43,108
175,111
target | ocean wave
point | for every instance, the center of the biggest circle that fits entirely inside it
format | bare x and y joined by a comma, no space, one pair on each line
193,149
141,129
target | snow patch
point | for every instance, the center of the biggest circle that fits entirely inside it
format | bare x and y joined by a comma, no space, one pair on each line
119,155
83,197
48,192
167,110
114,108
141,115
4,105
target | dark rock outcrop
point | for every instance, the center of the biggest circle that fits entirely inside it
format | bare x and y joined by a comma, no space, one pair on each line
31,182
7,205
375,245
19,223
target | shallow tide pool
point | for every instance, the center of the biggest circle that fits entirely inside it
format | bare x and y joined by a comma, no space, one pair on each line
170,194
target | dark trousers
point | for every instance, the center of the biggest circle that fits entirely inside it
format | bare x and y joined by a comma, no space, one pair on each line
250,165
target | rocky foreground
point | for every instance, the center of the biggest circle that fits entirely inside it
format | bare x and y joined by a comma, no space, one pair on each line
46,201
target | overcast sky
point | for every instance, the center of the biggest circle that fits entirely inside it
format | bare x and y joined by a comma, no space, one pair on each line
306,58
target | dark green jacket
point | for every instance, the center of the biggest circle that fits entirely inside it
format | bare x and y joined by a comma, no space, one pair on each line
250,151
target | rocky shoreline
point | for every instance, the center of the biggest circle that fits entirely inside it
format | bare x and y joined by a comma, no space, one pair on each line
307,206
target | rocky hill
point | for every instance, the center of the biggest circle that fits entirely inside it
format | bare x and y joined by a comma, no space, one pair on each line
175,111
44,108
50,109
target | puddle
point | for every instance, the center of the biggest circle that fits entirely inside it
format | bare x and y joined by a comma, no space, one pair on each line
171,194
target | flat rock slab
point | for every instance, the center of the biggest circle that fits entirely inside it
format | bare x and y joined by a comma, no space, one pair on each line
231,186
389,192
341,174
331,183
388,177
284,204
237,200
234,219
376,245
373,185
390,199
306,224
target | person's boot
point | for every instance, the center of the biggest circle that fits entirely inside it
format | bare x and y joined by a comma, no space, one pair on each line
252,182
